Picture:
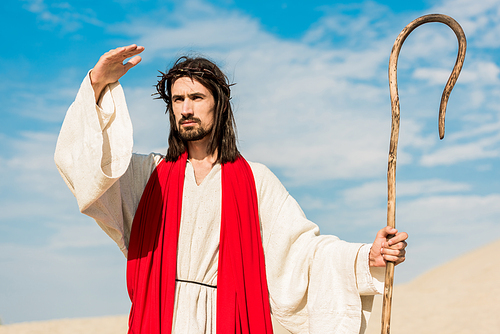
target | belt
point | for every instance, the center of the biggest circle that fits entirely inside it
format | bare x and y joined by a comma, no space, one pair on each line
199,283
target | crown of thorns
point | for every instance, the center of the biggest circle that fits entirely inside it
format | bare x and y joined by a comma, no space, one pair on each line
193,73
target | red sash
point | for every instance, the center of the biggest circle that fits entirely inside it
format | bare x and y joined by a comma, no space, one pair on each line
242,296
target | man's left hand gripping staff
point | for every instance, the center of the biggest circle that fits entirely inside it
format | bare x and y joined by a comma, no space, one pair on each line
392,250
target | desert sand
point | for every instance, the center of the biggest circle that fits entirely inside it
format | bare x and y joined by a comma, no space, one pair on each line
462,296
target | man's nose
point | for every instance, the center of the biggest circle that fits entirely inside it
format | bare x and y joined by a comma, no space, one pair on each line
187,107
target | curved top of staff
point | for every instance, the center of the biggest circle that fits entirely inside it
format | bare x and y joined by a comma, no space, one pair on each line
462,45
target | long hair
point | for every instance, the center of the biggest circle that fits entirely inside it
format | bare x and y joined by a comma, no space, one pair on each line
223,136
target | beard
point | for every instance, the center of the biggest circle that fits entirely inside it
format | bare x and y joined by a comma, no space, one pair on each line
193,133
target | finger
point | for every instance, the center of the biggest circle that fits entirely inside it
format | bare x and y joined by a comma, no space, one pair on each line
127,48
394,244
132,62
389,258
403,235
393,252
398,246
131,50
386,231
400,260
394,258
115,52
399,237
124,52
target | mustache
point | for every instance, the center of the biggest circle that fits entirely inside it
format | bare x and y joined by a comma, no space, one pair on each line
189,118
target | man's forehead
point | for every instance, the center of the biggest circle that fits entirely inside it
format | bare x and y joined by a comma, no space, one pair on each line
188,85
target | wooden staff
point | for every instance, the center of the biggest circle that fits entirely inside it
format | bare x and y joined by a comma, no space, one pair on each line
391,170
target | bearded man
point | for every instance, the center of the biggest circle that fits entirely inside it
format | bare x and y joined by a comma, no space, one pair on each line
214,244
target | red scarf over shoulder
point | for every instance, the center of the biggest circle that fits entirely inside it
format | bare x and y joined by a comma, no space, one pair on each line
242,296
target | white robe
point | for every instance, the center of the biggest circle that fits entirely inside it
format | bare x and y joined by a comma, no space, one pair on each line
317,284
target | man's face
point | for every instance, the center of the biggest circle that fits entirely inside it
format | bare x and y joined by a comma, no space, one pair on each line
193,107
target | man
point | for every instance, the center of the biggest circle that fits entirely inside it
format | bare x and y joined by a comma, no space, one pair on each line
214,243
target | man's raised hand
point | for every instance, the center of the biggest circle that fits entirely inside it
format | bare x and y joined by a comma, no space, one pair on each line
110,66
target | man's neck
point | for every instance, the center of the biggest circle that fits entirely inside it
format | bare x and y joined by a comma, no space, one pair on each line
202,161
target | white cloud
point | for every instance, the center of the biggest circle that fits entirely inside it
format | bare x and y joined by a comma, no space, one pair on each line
82,235
455,153
355,25
451,214
433,186
370,191
40,283
444,227
61,14
28,165
480,72
48,250
480,19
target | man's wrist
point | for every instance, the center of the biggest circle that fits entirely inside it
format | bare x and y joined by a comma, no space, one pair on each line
97,86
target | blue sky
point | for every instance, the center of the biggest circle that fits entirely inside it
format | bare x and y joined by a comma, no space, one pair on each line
311,101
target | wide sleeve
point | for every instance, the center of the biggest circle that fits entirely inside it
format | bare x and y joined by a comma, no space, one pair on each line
312,279
94,157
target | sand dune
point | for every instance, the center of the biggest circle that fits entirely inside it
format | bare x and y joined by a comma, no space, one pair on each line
104,325
462,296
